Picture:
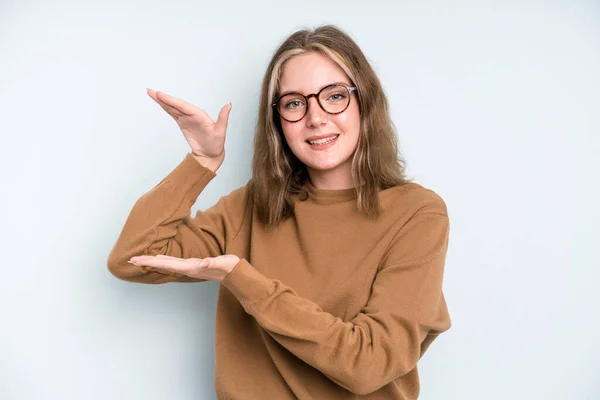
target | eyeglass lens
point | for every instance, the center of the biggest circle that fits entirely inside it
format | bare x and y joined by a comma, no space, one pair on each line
333,99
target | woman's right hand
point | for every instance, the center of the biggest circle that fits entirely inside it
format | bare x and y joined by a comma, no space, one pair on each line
205,137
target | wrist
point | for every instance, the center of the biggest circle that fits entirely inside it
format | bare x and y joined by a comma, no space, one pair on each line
212,163
229,266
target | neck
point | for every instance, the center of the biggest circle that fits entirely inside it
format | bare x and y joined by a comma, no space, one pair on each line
336,179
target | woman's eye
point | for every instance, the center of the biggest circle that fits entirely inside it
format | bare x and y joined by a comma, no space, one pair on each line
337,96
293,104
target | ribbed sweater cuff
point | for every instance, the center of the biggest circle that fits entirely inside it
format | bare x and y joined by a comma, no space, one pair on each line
190,176
248,285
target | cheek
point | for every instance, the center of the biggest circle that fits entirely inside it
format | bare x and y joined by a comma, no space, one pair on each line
349,121
291,131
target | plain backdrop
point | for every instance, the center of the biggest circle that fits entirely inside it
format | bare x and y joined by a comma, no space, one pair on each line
497,109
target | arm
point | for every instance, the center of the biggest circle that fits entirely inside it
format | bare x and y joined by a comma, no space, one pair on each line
160,223
405,312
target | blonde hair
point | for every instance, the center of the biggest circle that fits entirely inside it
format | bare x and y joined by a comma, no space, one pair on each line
277,174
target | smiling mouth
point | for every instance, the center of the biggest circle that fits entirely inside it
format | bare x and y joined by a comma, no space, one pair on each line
323,141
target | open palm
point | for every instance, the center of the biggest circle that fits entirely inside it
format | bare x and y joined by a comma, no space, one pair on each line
205,137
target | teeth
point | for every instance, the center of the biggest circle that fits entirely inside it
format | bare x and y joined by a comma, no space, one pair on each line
323,141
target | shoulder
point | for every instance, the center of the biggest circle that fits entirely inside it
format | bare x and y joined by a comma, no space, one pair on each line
411,198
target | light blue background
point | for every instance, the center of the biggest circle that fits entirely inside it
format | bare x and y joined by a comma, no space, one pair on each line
497,108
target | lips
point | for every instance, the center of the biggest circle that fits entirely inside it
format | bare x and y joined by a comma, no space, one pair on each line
321,139
317,137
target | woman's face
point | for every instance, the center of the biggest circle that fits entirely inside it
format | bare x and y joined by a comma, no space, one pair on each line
307,73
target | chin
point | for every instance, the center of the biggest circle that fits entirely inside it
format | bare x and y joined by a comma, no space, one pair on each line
324,161
327,166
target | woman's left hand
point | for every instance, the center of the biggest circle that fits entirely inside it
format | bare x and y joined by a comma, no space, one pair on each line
211,268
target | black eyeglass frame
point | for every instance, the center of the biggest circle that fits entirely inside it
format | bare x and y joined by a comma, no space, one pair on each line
350,89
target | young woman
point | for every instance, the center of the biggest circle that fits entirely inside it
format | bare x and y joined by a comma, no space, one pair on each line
330,260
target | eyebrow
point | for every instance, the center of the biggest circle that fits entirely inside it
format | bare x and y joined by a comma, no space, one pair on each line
329,84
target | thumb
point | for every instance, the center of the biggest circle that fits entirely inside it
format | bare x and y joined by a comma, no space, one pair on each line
223,117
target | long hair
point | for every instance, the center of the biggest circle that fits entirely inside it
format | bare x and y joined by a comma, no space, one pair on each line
277,174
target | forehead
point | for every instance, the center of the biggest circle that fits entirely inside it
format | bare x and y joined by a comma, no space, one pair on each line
309,72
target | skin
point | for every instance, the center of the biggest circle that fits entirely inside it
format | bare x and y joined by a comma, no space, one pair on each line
328,169
211,268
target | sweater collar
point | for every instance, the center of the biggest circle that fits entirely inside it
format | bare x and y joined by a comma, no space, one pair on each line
323,196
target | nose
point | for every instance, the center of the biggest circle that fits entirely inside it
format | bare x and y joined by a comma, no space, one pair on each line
315,115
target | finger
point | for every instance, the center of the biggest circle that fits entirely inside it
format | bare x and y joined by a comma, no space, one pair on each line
139,258
175,113
152,94
170,264
168,107
223,118
172,112
205,263
145,258
182,106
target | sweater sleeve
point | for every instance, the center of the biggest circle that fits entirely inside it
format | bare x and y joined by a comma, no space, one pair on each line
160,223
404,314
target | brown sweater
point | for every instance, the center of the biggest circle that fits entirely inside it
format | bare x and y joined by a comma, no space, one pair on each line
329,305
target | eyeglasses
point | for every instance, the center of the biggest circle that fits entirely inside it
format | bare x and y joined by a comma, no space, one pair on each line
333,99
